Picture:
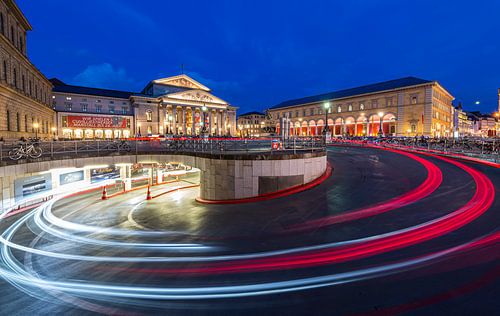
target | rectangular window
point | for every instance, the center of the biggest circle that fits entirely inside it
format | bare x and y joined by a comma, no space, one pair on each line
98,108
414,100
85,107
124,110
111,109
68,106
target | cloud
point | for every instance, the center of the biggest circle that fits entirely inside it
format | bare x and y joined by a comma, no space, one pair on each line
104,76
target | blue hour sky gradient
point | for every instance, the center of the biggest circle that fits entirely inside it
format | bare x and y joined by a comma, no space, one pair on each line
255,54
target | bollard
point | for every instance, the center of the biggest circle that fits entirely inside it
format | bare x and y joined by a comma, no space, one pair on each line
104,193
148,196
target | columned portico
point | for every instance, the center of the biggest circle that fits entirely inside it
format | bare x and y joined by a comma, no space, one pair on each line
182,94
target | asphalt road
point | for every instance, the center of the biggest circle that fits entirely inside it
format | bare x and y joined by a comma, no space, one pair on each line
387,233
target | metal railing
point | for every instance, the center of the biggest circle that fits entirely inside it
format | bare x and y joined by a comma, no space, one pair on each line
216,146
481,148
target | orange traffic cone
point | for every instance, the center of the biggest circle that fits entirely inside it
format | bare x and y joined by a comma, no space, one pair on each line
104,193
148,196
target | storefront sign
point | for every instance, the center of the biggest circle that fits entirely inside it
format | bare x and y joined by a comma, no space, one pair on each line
31,185
96,121
70,177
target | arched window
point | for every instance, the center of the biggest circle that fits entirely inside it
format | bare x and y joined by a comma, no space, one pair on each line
14,73
4,77
8,120
362,106
2,25
339,109
350,107
149,115
18,122
12,34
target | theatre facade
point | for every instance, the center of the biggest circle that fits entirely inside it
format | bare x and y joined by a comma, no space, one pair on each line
402,107
176,105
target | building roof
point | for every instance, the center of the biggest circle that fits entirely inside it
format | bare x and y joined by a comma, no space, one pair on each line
251,113
19,15
371,88
60,86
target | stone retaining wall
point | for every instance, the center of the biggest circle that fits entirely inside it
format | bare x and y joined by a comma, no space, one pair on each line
221,179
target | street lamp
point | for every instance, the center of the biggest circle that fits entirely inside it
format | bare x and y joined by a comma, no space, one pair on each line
203,125
35,127
380,131
170,124
54,129
326,106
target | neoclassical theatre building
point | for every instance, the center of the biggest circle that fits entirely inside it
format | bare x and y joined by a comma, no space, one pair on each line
176,105
25,108
407,107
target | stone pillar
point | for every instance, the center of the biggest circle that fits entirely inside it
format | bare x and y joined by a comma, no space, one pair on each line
224,122
210,122
184,126
192,120
174,119
355,128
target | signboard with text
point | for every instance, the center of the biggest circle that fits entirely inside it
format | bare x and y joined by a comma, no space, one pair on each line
96,121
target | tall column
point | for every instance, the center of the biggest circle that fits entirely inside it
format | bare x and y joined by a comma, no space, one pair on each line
184,125
210,122
356,128
224,122
219,123
174,119
192,120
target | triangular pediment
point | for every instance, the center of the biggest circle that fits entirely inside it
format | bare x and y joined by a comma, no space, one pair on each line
182,81
196,95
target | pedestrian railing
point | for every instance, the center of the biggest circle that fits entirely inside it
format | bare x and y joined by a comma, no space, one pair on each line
50,150
485,149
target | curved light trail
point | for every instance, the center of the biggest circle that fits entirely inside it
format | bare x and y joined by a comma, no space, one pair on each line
166,254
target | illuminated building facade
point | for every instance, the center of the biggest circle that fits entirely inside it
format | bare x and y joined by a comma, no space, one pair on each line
251,124
181,105
88,113
402,107
176,106
25,109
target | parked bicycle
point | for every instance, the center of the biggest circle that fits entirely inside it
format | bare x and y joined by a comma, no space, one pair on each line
119,146
26,150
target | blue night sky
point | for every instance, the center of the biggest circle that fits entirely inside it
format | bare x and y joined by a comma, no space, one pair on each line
255,54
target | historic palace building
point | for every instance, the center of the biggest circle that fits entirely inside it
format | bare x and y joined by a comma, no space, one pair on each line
176,105
401,107
180,105
25,108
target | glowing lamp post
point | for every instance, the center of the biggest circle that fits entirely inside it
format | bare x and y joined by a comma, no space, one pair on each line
380,131
54,129
170,118
35,127
326,106
203,125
